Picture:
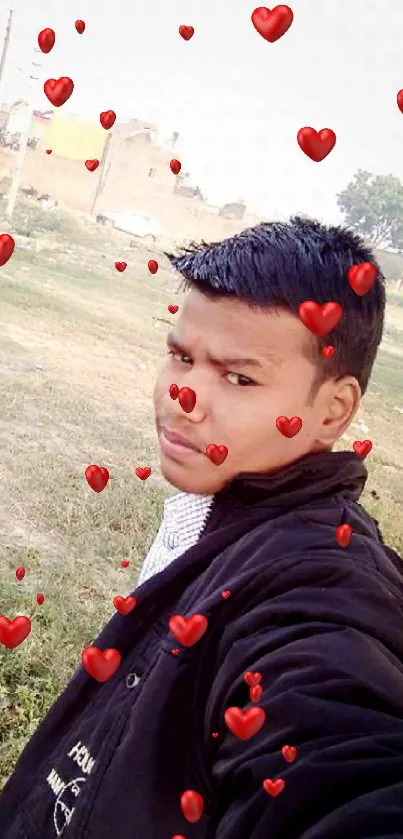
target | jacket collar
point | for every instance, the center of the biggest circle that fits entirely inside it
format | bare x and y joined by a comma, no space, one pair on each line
313,477
258,497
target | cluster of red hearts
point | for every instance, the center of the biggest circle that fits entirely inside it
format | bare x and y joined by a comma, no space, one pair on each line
102,665
243,724
320,320
270,24
58,91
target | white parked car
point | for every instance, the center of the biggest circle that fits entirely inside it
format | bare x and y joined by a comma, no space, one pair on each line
130,222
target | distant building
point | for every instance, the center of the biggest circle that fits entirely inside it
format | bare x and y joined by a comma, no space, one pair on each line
137,165
73,138
135,128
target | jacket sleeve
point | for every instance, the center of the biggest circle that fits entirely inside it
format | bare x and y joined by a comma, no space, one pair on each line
332,691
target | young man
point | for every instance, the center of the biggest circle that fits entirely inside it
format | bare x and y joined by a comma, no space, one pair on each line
260,689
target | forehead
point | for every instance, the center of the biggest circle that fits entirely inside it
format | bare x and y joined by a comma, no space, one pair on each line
225,325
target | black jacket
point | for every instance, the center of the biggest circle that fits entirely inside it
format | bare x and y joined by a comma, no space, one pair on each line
323,625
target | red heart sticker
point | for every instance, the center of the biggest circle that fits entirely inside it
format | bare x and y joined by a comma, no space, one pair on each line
273,24
252,679
256,693
175,651
20,573
343,535
92,165
143,472
48,151
274,787
7,245
217,454
362,277
124,605
80,26
13,633
100,664
125,563
192,805
58,91
121,266
176,166
289,427
400,101
97,477
107,119
153,266
289,753
320,319
316,144
173,309
188,630
226,594
215,734
328,351
46,39
187,399
245,724
362,448
174,391
186,32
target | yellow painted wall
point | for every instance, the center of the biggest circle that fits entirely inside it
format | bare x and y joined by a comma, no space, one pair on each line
74,139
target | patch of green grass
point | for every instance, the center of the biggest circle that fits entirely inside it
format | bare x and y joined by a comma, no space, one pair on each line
29,215
79,587
387,377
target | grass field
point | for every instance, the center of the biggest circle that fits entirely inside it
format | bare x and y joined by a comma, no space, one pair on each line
80,347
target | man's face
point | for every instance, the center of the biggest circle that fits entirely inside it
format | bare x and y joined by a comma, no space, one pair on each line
237,402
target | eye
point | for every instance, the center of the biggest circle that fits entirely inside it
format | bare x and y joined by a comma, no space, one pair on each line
178,356
246,381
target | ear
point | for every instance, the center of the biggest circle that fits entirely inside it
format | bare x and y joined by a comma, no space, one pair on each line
340,401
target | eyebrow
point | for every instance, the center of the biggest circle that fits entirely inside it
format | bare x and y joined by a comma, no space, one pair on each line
174,344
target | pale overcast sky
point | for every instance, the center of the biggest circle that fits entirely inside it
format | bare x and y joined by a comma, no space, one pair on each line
237,100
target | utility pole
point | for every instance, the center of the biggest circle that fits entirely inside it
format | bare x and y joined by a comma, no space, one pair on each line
19,162
20,157
6,44
102,173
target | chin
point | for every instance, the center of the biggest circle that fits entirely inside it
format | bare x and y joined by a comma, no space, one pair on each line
186,480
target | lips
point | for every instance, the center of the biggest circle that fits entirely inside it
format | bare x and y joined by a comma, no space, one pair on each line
178,440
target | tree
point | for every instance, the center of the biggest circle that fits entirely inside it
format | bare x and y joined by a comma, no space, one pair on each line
373,207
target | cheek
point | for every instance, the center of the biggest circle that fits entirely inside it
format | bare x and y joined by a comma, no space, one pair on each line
254,419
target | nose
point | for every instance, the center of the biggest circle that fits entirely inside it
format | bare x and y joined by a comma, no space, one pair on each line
201,383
